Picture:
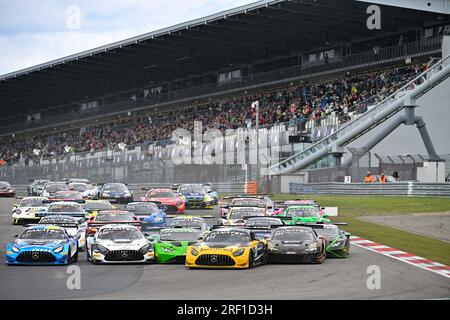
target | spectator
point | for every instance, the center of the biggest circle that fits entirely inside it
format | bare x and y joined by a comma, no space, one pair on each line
369,178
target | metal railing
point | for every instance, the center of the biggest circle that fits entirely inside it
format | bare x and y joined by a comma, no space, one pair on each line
397,188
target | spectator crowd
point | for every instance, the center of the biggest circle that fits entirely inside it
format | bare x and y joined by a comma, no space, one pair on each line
294,104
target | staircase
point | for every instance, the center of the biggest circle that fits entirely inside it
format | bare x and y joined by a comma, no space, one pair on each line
376,115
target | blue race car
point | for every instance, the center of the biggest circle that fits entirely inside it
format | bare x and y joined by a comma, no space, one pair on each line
118,192
149,214
212,193
42,245
195,196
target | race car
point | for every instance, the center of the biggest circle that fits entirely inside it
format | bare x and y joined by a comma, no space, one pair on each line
76,180
111,217
25,211
167,197
303,214
249,198
43,244
87,191
193,222
212,193
35,188
237,215
296,244
50,188
281,206
171,243
233,248
337,241
148,213
195,196
64,208
119,192
92,207
7,190
74,227
262,226
119,243
243,202
70,195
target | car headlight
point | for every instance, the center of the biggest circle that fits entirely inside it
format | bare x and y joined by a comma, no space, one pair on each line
14,249
59,249
18,211
194,252
145,249
312,247
238,252
100,248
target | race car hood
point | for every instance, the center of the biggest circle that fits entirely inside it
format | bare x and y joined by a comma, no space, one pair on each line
194,195
44,244
162,200
220,245
292,246
32,209
119,244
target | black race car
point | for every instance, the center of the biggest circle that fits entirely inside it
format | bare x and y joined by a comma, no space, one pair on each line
296,244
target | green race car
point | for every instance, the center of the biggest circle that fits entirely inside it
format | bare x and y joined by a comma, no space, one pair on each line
337,240
170,244
303,214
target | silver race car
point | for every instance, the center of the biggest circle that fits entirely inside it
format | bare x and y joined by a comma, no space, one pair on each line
119,243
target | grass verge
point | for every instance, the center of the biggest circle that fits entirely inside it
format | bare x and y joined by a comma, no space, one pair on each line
353,207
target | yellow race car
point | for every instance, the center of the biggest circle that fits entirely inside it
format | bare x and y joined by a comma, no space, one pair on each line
92,207
232,248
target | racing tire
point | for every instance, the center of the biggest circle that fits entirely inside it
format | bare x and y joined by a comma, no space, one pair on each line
251,260
321,258
75,256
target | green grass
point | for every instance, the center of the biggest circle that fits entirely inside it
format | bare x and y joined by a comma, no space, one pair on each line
353,207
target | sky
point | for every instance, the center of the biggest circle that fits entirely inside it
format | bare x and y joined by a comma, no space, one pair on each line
33,32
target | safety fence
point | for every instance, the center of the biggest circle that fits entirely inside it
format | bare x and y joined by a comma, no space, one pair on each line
399,188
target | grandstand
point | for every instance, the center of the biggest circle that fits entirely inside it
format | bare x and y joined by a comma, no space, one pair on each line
313,65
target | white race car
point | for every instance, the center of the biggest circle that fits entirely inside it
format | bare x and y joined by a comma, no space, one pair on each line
75,227
119,243
27,209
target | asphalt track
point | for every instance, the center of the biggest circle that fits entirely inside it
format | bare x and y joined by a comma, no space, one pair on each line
334,279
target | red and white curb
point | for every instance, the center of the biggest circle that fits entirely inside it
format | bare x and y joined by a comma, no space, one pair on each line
408,258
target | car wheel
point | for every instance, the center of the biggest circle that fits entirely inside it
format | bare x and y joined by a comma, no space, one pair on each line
75,256
251,260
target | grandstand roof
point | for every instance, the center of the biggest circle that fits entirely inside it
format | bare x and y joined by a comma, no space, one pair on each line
259,31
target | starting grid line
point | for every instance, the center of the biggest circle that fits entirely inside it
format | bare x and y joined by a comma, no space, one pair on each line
408,258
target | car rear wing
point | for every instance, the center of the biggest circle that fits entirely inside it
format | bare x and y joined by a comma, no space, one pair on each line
101,224
80,201
204,216
70,214
228,206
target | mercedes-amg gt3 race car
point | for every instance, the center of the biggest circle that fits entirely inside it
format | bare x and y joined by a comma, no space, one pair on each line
118,192
43,244
171,243
296,244
227,248
195,196
119,243
74,227
111,217
27,209
167,197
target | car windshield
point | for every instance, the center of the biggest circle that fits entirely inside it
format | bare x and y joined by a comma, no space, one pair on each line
193,188
327,232
98,206
56,187
303,212
68,195
80,187
4,185
179,235
187,223
240,213
58,220
112,216
39,183
142,208
232,237
65,207
292,235
31,202
43,234
262,222
152,194
248,202
115,188
119,233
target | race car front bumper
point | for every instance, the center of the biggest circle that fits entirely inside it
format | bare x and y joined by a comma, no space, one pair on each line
122,257
217,259
294,258
36,257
